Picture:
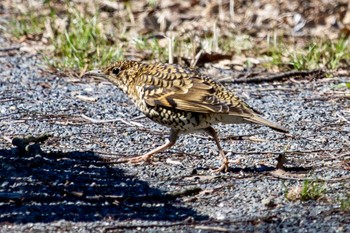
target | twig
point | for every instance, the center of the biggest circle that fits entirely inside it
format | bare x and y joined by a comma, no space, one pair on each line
211,225
211,228
10,48
86,98
8,99
195,61
182,193
284,152
285,89
139,226
330,97
277,77
284,175
8,139
131,123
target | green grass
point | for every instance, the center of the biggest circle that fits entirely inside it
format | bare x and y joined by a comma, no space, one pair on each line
309,190
83,45
345,204
152,47
274,57
312,190
29,25
324,54
236,43
90,40
344,85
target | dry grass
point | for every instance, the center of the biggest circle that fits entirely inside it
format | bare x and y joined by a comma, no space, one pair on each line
79,35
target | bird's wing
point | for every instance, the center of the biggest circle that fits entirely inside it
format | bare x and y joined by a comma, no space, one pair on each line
188,91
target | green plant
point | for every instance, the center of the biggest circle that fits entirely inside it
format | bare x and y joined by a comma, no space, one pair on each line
329,54
80,44
151,47
306,58
28,25
235,43
309,190
344,85
83,43
78,39
338,51
345,203
312,190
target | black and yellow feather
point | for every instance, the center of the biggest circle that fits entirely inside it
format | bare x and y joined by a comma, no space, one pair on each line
168,87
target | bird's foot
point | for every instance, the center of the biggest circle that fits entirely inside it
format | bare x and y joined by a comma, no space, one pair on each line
224,163
140,159
222,168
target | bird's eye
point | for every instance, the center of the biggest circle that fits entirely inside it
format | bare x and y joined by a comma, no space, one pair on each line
116,70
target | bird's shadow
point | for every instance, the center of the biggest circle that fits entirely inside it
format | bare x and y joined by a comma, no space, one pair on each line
78,186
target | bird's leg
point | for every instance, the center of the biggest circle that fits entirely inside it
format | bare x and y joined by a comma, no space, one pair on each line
224,164
174,134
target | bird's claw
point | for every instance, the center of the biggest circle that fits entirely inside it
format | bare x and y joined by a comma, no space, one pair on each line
223,167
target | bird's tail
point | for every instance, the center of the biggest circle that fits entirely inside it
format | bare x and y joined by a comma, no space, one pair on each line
262,121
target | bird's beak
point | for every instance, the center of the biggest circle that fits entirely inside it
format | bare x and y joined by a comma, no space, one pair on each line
95,73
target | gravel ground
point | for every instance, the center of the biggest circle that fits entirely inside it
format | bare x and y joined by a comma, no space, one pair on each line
71,183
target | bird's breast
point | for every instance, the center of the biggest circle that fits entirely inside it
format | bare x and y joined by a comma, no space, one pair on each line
177,119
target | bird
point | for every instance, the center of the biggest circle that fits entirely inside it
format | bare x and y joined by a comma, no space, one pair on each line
181,98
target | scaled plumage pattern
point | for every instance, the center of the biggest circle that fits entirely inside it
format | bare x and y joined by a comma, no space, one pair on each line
182,99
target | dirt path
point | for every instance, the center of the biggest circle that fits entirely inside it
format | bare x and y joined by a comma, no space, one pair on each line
73,185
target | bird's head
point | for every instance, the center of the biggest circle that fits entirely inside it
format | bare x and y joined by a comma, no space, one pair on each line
122,73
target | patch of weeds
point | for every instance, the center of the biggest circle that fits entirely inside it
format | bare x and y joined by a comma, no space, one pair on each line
29,25
303,60
237,44
345,85
78,38
274,56
152,47
309,190
329,54
339,51
312,190
83,43
208,44
345,204
274,51
79,41
153,3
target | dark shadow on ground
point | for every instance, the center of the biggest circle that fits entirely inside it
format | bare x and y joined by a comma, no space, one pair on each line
264,168
78,186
